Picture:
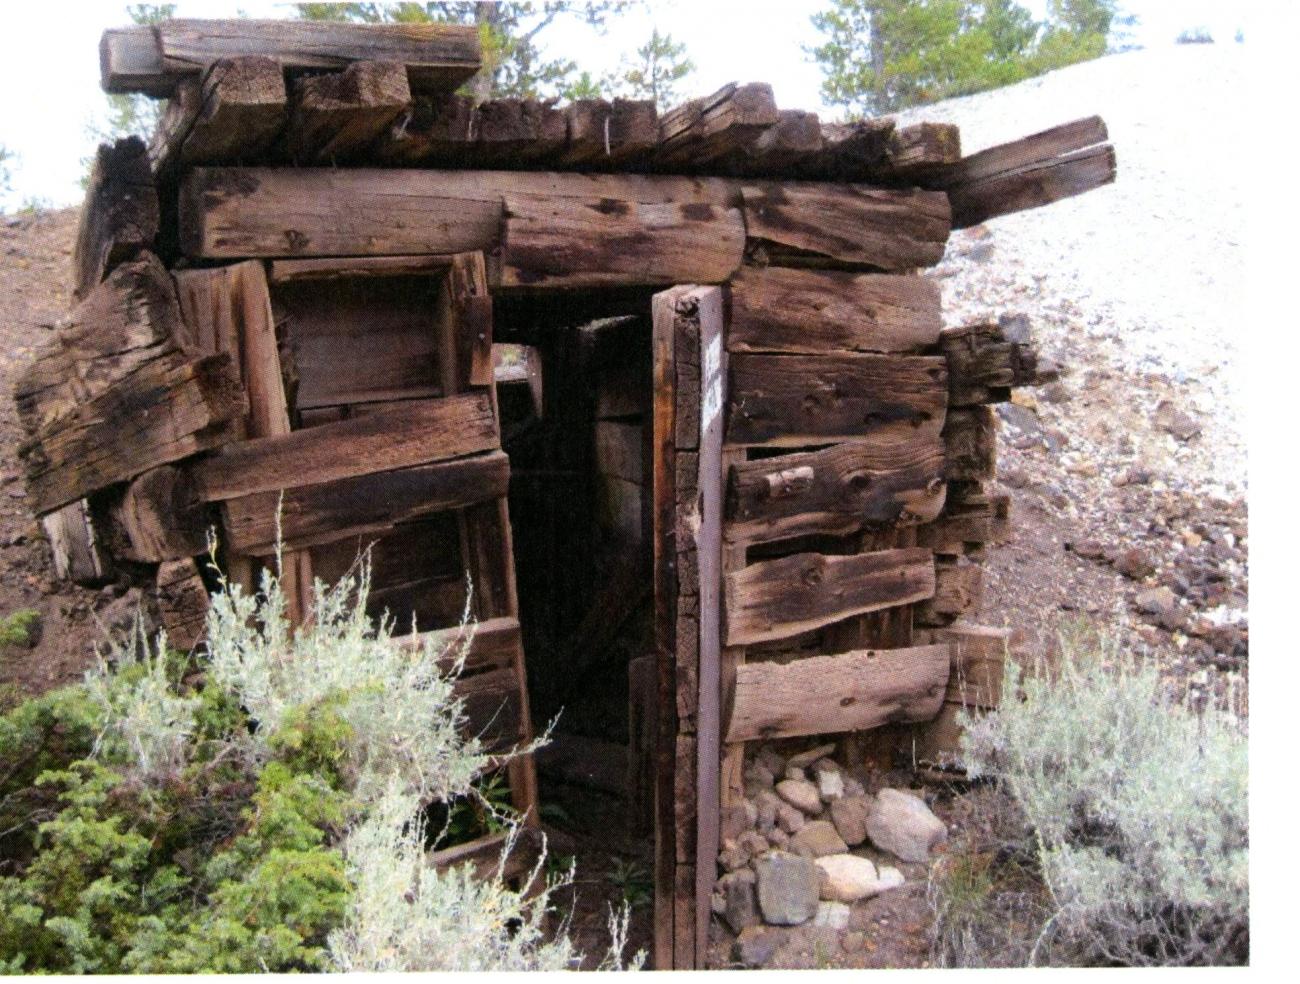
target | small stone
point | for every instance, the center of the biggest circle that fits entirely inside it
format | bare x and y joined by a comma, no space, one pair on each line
789,819
1177,422
1157,601
832,915
760,775
740,908
788,888
767,813
771,761
800,793
1015,328
735,821
1087,549
795,772
830,785
805,759
849,815
847,878
1134,563
733,858
1055,393
890,877
1014,478
816,839
854,941
755,945
853,788
752,843
778,838
903,825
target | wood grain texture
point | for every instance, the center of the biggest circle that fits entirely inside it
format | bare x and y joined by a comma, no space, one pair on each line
168,409
76,545
486,645
702,130
120,216
979,655
970,441
983,367
604,135
158,517
182,602
776,599
514,132
886,229
1032,187
246,212
853,691
1016,155
836,490
550,242
357,267
958,591
437,131
418,433
796,400
375,502
436,56
122,325
821,311
337,116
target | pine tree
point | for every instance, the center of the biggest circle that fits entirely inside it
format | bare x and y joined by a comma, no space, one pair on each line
659,66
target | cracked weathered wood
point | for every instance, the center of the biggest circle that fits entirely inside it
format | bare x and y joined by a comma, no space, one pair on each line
120,217
853,691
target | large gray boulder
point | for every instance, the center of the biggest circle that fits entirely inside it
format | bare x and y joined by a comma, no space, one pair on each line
788,888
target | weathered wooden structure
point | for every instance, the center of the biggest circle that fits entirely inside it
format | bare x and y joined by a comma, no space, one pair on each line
333,290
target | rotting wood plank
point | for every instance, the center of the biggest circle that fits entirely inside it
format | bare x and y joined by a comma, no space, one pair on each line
75,545
849,150
983,366
888,229
270,212
1032,187
970,440
836,490
352,267
915,151
487,645
979,655
182,602
158,517
517,132
151,58
335,117
820,311
419,433
121,433
798,400
437,130
794,137
489,856
958,590
550,243
776,599
120,216
1037,148
232,113
603,134
853,691
492,707
698,132
374,502
122,325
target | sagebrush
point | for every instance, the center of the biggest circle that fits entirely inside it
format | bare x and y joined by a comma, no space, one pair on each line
1134,812
257,808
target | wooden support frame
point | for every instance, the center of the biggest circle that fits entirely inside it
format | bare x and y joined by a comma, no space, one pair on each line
689,374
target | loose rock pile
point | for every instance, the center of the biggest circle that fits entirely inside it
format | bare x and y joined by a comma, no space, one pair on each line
807,842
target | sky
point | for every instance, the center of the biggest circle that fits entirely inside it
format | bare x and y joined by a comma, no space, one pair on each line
49,78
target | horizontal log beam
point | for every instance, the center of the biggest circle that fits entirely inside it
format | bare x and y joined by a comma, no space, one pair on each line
1032,187
797,400
152,58
404,435
488,645
265,212
168,409
835,490
371,503
821,311
853,691
776,599
979,654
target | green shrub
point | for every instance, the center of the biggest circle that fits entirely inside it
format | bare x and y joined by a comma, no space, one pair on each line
20,629
268,818
1137,805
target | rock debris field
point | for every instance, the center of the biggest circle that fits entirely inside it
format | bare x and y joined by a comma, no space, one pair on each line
1128,477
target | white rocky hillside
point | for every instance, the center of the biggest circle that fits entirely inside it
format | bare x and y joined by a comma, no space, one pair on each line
1136,461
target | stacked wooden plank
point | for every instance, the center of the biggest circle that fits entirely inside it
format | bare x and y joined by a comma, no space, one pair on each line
284,331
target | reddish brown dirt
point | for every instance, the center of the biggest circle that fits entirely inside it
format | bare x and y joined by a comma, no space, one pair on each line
35,255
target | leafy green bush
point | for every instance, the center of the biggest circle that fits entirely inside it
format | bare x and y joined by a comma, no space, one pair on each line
20,629
1137,805
269,817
